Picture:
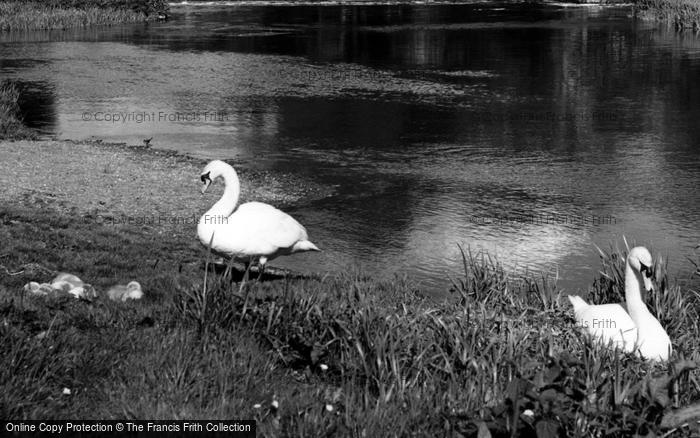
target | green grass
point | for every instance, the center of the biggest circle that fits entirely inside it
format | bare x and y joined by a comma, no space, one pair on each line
11,123
343,356
17,15
684,14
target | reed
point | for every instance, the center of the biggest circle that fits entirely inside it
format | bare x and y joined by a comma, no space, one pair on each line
11,120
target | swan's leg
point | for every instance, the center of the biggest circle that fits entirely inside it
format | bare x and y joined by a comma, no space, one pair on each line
229,267
245,276
249,263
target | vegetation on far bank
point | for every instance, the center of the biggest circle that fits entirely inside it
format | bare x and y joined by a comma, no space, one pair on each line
684,14
340,356
11,120
62,14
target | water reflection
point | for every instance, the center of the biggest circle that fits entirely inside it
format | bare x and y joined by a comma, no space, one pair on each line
506,127
37,102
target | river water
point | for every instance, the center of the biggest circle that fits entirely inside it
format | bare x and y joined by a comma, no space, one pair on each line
533,132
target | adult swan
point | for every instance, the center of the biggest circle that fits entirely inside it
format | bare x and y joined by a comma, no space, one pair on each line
254,230
637,330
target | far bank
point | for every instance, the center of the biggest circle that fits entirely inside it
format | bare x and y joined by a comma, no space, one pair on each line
683,14
21,15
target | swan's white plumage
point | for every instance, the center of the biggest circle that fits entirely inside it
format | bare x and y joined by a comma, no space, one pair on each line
653,340
65,283
36,288
73,285
253,230
131,291
635,329
606,323
258,229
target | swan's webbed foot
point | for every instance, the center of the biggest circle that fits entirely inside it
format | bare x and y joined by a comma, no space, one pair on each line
262,261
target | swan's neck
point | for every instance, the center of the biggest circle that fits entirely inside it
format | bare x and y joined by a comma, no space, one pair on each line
635,305
225,206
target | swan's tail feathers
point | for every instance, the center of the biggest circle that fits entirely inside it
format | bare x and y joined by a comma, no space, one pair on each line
305,245
578,302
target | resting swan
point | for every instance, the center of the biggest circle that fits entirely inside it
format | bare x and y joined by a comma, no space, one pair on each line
252,231
637,330
73,285
64,283
36,288
131,291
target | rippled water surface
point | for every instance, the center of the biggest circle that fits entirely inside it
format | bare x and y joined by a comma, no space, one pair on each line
533,132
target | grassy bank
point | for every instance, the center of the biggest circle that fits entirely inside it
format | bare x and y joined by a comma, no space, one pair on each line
62,14
684,14
11,120
342,356
345,356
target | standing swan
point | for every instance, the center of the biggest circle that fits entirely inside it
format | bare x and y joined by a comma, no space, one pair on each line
252,231
638,330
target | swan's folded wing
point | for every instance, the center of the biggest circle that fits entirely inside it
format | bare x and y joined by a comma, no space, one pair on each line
233,239
608,322
268,224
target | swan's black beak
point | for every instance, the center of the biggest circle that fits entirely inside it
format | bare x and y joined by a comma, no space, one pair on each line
206,182
646,277
205,186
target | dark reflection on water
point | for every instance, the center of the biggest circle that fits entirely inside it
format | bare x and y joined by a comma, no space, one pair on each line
533,132
37,105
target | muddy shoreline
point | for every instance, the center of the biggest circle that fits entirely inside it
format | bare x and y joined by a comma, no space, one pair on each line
116,184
